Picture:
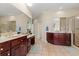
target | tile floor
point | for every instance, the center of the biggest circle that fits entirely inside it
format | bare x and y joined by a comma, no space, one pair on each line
46,49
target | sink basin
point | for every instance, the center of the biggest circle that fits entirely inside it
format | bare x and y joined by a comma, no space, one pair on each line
28,36
14,35
3,37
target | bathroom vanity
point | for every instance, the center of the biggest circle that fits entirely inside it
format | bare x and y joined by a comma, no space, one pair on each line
18,45
59,38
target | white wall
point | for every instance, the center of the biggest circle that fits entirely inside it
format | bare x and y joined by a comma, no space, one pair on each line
47,19
21,21
42,22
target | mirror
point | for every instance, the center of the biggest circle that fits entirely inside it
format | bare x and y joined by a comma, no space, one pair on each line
29,26
7,26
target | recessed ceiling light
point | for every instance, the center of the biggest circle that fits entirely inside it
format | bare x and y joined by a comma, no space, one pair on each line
59,12
29,4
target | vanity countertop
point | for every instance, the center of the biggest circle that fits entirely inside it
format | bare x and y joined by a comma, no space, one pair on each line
28,36
11,37
57,32
4,38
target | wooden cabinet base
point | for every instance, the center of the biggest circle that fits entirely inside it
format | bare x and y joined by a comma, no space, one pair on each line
59,38
33,40
17,47
7,53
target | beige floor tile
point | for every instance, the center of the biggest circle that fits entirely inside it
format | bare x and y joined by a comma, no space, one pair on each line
46,49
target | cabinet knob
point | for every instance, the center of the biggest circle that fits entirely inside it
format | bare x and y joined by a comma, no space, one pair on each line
8,54
21,40
1,49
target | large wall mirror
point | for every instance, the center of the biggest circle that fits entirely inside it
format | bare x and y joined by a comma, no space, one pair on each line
29,26
7,26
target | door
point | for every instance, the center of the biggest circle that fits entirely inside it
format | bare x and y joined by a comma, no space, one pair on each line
23,47
28,44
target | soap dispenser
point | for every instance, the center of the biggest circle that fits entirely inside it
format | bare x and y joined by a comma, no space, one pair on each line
19,30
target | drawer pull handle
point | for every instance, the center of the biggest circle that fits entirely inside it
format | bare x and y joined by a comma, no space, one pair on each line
21,40
8,54
1,49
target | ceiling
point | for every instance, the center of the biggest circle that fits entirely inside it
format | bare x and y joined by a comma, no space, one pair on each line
6,9
68,8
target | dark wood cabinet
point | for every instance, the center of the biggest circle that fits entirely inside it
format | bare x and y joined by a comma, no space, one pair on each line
28,44
68,39
50,37
5,48
6,53
17,47
15,51
23,50
32,40
15,42
59,38
23,46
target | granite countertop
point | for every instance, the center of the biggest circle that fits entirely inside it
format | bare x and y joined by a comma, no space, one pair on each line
28,36
58,32
4,38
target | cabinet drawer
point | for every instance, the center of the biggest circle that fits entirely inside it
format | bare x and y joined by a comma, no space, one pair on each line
23,39
7,53
56,36
4,46
15,42
15,51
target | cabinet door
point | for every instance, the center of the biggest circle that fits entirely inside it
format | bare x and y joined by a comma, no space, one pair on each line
23,46
7,53
15,51
20,48
56,38
50,37
4,46
28,44
33,40
15,42
62,39
59,39
68,39
23,50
